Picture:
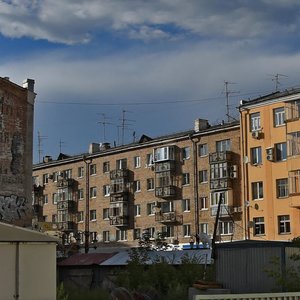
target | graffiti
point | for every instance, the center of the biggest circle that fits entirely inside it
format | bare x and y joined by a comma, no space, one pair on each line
17,153
12,207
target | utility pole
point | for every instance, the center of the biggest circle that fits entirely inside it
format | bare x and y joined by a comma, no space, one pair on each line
227,93
40,139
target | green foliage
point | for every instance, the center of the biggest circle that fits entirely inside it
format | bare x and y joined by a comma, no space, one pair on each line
61,294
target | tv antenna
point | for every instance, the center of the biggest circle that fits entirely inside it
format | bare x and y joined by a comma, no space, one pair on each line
40,139
125,125
60,145
104,123
275,78
227,94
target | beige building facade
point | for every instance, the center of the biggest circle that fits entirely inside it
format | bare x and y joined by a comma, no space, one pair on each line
171,184
16,139
270,142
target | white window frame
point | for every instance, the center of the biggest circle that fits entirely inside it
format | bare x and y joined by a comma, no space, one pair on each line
93,169
203,203
281,151
203,228
150,184
93,192
223,145
168,231
185,179
219,170
45,199
151,208
186,205
186,153
105,213
255,121
294,182
257,190
45,178
203,150
80,194
137,161
106,236
203,176
106,167
106,190
186,230
80,172
93,215
137,210
282,188
121,164
293,143
54,198
215,197
137,186
225,227
256,156
259,226
80,217
121,235
279,116
284,224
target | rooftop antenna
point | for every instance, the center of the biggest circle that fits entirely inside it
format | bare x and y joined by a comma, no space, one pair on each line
104,123
227,93
276,79
40,139
124,124
60,145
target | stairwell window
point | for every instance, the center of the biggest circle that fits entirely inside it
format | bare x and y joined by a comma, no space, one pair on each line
259,226
105,213
203,176
203,203
150,184
257,190
284,225
279,116
255,122
256,157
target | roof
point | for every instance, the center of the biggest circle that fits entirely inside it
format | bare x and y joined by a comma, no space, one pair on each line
86,259
11,233
254,244
172,257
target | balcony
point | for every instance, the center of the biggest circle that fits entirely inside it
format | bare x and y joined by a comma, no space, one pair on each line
69,205
118,190
119,220
69,225
119,198
65,183
165,166
221,156
225,210
119,173
220,183
169,217
37,209
165,192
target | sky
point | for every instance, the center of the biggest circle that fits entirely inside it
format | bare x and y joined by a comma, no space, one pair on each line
153,66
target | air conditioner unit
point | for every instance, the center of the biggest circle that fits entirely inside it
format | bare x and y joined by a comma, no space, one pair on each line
233,168
233,175
270,154
256,134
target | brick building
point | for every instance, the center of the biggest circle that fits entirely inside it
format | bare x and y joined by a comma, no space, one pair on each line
270,137
170,184
16,123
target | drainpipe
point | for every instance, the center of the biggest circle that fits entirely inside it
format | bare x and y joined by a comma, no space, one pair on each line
87,162
196,193
17,271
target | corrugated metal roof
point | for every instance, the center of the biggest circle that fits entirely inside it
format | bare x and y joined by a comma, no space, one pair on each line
171,257
11,233
86,259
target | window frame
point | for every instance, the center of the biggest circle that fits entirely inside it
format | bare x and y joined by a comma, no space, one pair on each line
282,188
255,121
259,226
279,116
203,150
257,189
256,155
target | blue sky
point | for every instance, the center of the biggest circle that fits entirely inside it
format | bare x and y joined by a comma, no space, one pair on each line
162,61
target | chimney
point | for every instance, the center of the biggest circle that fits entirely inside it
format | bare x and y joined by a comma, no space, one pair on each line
94,147
104,146
201,124
47,158
29,85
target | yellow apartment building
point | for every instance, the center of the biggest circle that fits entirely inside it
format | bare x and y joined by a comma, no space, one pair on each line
170,184
270,149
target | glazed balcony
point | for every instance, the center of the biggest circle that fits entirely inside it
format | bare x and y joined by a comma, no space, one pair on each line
66,183
225,210
68,205
119,173
168,217
220,183
119,197
65,226
165,191
221,156
119,220
165,166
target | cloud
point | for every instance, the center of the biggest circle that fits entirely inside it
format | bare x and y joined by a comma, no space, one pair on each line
77,21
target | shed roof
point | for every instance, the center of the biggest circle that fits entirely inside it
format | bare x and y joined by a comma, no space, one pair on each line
11,233
86,259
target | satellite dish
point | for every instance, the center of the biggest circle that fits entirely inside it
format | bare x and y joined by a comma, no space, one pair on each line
245,159
256,206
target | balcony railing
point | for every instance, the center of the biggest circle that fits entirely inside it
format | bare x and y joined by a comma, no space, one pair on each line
165,192
69,205
119,198
220,156
169,217
220,183
119,221
65,182
225,210
165,166
119,173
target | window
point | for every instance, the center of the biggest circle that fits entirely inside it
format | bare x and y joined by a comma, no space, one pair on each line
54,198
256,156
80,172
280,151
293,139
219,170
294,182
224,145
93,216
257,190
93,192
225,227
186,152
150,184
106,190
137,186
204,228
137,233
106,237
284,225
217,196
54,218
167,207
279,116
55,176
186,205
67,174
45,199
259,226
45,178
137,210
203,176
137,161
118,186
105,213
80,194
293,110
93,169
80,216
151,208
203,150
186,228
164,153
149,159
121,164
149,232
106,167
121,235
203,203
185,178
255,122
164,179
282,188
168,231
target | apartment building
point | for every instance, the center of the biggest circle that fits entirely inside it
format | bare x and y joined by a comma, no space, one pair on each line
270,135
16,135
170,184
